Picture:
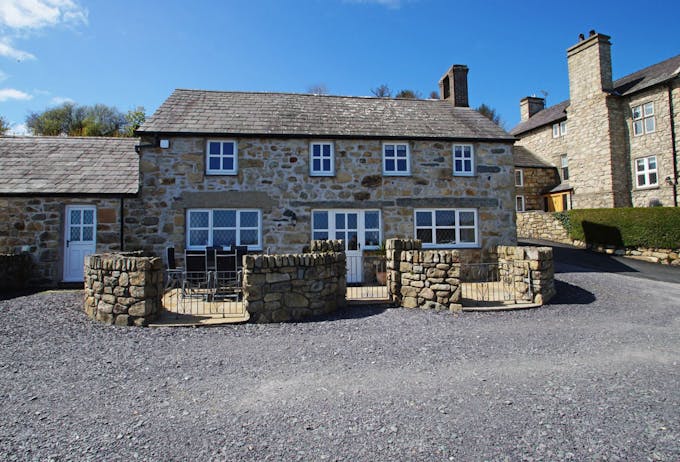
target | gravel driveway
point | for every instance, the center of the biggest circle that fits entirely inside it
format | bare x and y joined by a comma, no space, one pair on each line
593,376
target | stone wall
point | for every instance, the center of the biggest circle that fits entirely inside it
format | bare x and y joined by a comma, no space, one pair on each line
38,222
536,182
15,270
531,269
541,225
123,288
273,177
291,287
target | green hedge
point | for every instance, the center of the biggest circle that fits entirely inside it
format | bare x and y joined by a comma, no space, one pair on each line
653,227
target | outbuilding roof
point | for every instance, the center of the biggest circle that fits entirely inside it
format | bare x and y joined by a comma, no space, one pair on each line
632,83
522,157
68,165
304,115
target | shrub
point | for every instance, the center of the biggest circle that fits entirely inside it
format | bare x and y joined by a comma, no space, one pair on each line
654,227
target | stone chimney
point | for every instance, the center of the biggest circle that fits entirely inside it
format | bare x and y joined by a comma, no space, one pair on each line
453,85
590,66
529,106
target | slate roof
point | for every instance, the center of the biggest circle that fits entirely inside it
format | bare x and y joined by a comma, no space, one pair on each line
304,115
68,165
632,83
522,157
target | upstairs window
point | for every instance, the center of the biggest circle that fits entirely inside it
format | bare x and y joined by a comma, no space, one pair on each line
519,177
564,167
643,119
463,160
646,173
321,159
396,159
221,157
559,129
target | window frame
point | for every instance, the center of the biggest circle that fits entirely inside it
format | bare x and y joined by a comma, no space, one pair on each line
210,228
321,172
463,172
519,183
222,156
643,118
386,172
646,172
520,199
564,167
457,227
559,129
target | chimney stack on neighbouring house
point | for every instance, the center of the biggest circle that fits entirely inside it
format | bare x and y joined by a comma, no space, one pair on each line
590,66
530,105
453,85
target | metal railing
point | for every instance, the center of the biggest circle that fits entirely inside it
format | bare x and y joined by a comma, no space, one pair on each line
366,278
204,293
486,284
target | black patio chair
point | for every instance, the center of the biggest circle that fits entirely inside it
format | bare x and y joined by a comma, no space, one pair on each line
196,276
173,274
227,275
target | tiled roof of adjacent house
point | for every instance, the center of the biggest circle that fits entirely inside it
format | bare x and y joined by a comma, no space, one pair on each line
544,117
289,114
522,157
632,83
68,165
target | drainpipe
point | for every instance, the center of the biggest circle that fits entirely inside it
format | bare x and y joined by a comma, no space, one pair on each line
673,148
122,228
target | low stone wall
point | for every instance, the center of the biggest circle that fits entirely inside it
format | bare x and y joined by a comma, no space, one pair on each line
428,279
280,288
15,271
536,224
123,289
531,270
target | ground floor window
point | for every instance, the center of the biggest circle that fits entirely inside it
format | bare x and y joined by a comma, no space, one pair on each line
519,203
360,229
646,172
447,227
224,228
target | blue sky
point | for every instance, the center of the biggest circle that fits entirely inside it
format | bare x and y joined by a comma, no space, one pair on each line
134,53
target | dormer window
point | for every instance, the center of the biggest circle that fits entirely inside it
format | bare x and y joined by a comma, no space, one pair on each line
321,159
396,159
221,157
559,129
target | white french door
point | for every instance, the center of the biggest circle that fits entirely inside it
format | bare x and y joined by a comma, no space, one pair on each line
359,229
80,239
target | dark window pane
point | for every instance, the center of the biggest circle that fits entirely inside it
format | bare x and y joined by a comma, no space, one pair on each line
249,237
228,163
340,221
75,233
352,240
373,238
389,150
467,218
424,235
401,150
340,235
224,237
214,148
445,218
446,236
228,149
326,149
87,233
351,221
320,220
224,219
88,215
652,178
467,235
75,217
372,220
423,219
198,219
316,165
316,150
321,235
401,165
214,163
249,219
327,165
459,165
198,237
389,165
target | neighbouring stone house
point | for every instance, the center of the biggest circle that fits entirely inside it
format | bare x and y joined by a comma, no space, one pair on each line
62,198
274,170
613,143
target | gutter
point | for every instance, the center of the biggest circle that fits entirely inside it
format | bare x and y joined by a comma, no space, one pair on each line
674,150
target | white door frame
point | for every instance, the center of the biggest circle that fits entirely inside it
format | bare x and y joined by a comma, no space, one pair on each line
75,249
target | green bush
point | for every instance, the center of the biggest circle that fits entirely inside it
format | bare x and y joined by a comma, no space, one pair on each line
653,227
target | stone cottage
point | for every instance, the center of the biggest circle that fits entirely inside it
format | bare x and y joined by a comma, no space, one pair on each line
274,170
62,198
614,143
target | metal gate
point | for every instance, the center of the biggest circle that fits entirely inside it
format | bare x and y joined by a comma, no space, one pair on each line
369,278
204,293
494,284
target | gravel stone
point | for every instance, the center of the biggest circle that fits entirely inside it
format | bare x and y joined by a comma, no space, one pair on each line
594,375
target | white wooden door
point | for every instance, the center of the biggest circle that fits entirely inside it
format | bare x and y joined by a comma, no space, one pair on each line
348,228
80,239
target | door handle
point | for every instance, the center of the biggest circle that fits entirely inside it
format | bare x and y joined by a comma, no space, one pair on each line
67,243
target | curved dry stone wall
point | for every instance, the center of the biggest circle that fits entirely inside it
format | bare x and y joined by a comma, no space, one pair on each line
15,270
123,288
531,269
280,288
